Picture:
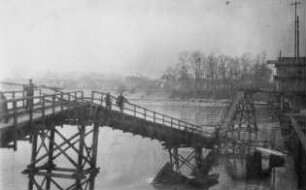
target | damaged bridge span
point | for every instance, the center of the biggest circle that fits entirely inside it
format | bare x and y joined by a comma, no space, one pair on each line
85,114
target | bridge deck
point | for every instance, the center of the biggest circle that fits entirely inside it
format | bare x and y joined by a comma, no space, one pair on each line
24,116
132,118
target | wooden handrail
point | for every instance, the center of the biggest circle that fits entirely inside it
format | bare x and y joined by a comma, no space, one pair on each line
149,114
43,107
61,98
38,100
14,93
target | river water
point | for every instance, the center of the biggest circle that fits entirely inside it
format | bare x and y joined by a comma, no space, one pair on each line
131,162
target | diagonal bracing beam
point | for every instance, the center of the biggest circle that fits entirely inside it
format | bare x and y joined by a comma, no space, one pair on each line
42,171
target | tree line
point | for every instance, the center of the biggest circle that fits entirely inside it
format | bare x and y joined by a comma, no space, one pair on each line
216,76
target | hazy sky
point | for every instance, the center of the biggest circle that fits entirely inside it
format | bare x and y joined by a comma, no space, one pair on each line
139,37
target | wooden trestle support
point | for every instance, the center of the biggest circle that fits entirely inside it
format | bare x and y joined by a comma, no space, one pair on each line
242,128
193,160
63,161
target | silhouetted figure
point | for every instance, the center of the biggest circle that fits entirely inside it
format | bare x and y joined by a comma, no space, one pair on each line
120,102
3,106
108,101
29,94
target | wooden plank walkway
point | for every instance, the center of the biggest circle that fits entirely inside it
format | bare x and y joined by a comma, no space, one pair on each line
24,115
49,105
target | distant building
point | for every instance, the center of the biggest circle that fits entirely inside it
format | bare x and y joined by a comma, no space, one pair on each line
291,80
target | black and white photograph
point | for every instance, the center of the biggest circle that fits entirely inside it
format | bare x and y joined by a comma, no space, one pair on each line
152,94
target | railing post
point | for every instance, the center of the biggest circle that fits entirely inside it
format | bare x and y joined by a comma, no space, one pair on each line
92,102
68,100
145,113
53,104
134,111
92,97
43,106
15,124
154,116
82,95
62,101
171,121
39,95
163,119
179,124
23,101
13,95
101,99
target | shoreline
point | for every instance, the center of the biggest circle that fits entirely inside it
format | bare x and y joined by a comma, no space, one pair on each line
180,101
221,102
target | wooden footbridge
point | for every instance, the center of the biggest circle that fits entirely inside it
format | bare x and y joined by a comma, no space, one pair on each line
62,108
86,112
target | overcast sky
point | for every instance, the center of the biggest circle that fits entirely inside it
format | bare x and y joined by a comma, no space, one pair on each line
139,37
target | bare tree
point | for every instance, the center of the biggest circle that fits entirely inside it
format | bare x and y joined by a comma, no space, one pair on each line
212,70
169,78
261,72
218,73
182,69
197,67
223,69
246,62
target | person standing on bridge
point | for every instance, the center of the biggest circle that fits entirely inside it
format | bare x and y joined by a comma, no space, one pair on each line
108,101
120,101
29,89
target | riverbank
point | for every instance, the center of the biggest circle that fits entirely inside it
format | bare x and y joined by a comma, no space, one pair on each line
165,96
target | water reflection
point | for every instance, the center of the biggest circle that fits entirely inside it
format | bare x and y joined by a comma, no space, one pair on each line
61,183
199,178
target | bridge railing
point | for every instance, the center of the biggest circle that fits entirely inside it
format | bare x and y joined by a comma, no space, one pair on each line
42,104
75,96
65,100
49,104
17,94
147,114
20,94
